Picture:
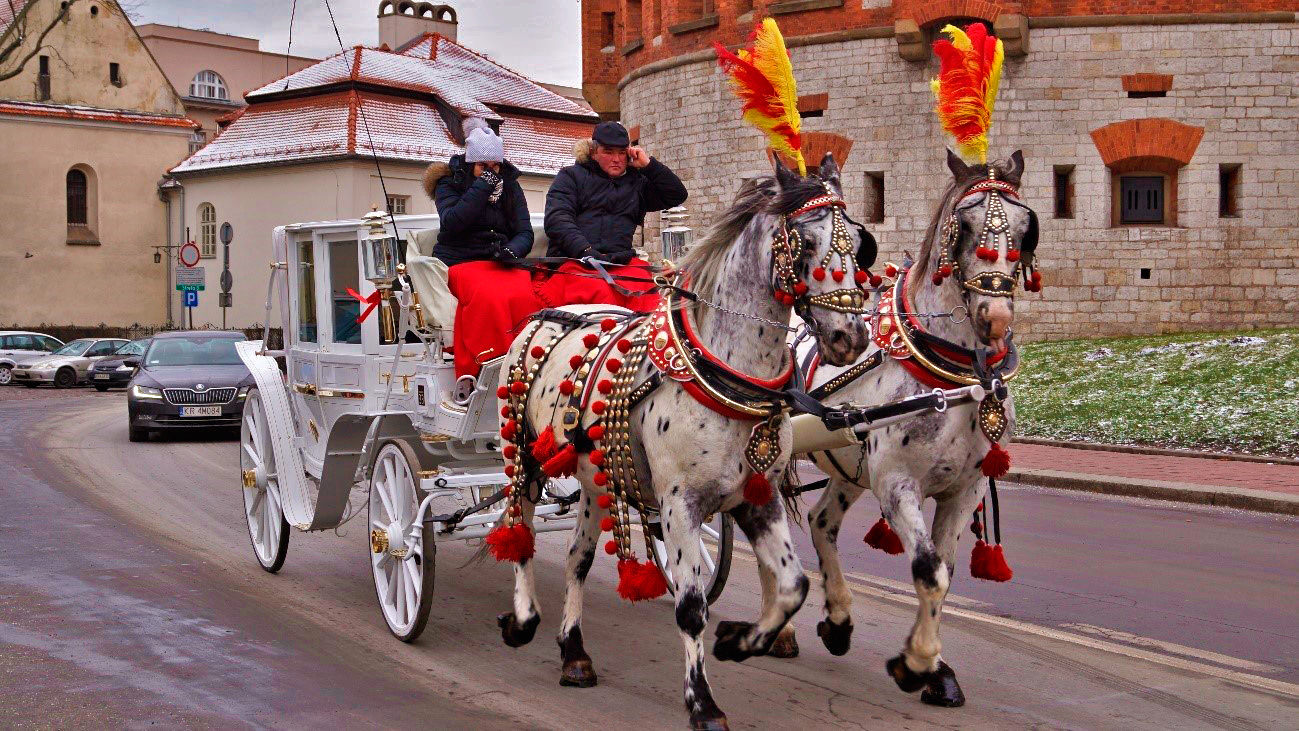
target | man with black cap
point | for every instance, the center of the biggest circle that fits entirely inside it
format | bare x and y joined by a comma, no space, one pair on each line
595,206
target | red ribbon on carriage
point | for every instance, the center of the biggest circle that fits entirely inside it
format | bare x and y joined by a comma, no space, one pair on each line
373,300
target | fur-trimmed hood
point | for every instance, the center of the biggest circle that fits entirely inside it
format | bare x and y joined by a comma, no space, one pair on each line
432,174
582,150
457,165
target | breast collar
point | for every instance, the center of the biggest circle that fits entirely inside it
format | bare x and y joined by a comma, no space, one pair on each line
932,360
676,350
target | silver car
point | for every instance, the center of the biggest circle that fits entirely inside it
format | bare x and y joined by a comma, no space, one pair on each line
67,366
21,346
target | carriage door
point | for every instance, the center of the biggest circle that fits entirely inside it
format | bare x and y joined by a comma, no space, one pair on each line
341,359
306,281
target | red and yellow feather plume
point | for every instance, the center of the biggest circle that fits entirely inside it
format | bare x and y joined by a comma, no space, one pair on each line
763,78
966,87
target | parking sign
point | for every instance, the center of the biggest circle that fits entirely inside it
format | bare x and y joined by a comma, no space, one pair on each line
191,298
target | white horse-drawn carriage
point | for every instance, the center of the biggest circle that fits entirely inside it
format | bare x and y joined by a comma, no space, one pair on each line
361,413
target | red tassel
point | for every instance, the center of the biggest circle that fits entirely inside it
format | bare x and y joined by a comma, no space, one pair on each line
604,501
639,581
882,536
757,490
562,464
590,339
998,569
979,560
545,447
505,411
996,463
514,543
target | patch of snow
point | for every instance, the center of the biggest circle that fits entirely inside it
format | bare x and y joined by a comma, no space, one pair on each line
1246,340
1098,354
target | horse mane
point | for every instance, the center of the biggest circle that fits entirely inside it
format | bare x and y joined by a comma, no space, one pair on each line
951,196
757,195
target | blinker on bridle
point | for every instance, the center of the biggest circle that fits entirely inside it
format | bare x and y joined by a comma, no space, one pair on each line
996,226
788,247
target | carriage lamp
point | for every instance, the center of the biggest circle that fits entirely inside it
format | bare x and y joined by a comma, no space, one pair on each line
676,235
380,260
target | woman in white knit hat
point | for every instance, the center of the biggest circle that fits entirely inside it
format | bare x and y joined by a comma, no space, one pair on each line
483,224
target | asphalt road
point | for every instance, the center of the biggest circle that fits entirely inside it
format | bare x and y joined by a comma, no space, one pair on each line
129,597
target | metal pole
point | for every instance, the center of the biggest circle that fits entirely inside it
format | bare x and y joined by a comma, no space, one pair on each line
167,259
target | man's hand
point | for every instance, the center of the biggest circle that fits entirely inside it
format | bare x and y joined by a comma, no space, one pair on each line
620,257
637,157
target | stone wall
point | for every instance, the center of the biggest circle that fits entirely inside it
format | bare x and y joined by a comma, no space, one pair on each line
1235,81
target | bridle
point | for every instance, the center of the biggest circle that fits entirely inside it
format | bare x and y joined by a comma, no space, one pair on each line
788,247
994,230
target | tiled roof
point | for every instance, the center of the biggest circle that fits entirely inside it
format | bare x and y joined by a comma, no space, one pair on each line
70,111
361,123
469,82
8,13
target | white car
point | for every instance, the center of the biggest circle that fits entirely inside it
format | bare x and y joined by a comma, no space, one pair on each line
67,366
21,346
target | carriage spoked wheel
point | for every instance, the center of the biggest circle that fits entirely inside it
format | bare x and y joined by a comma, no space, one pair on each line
714,547
401,561
267,526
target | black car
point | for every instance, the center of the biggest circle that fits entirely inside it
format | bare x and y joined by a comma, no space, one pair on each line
116,370
188,380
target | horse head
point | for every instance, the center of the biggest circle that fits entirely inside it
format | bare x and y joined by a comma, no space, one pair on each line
821,260
984,239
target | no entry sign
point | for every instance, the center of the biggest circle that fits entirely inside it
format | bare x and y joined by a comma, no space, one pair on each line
189,254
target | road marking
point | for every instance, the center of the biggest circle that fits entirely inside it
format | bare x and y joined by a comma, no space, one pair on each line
1179,663
1176,649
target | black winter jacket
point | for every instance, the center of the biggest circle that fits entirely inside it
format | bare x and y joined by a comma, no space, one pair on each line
470,224
590,214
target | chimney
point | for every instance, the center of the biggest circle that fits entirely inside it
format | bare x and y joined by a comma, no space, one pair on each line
401,21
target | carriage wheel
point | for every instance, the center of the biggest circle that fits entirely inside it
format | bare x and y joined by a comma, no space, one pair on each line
267,527
714,546
400,559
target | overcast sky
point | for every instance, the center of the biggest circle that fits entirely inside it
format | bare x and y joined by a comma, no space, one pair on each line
539,38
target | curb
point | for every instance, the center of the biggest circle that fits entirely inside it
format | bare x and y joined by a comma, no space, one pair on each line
1155,451
1227,497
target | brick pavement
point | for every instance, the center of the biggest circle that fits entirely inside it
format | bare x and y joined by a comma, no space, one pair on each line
1280,478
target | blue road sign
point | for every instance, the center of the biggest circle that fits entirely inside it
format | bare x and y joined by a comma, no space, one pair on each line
191,298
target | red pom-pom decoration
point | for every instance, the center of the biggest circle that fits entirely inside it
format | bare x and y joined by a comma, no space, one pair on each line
538,351
945,270
606,524
510,451
861,276
624,345
611,548
604,501
876,280
1037,277
505,411
604,386
518,387
1012,255
607,324
566,387
575,362
509,470
507,431
597,457
890,271
613,364
502,392
800,289
596,432
937,278
511,543
601,479
818,274
597,407
590,339
837,274
996,463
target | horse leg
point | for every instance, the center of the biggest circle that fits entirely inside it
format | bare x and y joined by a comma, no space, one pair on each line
786,644
519,626
920,666
682,537
768,533
825,519
577,669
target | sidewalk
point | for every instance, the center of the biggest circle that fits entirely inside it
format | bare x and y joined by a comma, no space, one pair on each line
1215,481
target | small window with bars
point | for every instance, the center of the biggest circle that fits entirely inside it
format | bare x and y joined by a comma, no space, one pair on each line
78,188
397,203
207,231
1142,199
43,80
1063,189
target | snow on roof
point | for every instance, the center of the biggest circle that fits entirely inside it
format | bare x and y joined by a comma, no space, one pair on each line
468,81
93,114
10,9
353,123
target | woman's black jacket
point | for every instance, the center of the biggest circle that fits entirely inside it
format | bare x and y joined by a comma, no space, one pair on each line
471,227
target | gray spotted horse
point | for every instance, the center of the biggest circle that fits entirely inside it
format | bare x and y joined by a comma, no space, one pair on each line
942,322
682,411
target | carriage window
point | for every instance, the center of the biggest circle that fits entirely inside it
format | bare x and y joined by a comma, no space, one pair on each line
306,292
1142,199
344,308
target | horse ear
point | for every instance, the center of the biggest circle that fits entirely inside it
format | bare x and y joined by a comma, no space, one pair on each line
785,177
959,169
829,171
1015,172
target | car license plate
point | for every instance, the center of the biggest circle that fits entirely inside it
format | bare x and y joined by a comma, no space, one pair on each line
200,411
101,376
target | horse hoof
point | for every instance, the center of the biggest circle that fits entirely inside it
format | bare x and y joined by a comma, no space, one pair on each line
515,634
711,723
941,688
907,679
577,674
727,646
786,644
836,637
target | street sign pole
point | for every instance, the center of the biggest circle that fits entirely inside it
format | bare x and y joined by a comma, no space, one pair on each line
223,300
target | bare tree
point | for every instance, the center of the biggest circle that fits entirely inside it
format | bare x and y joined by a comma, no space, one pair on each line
16,50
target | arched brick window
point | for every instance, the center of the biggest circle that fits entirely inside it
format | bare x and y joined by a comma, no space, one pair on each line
1144,157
